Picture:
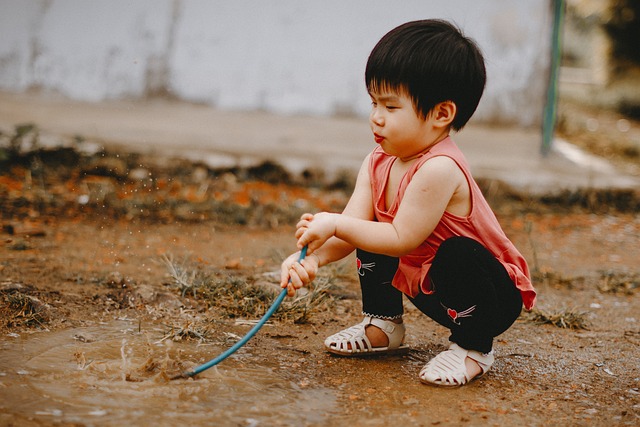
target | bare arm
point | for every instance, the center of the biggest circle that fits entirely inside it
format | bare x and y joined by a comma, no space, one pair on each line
433,189
360,206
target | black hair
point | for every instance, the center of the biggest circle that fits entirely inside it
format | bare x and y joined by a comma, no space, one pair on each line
432,62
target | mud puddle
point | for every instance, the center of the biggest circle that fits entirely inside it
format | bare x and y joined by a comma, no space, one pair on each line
117,373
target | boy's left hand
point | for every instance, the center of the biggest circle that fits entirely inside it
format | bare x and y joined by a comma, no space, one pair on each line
313,230
295,274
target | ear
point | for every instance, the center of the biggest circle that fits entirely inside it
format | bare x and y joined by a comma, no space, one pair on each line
444,113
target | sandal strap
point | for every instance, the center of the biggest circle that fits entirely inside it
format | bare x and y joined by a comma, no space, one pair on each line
448,368
484,360
354,339
393,331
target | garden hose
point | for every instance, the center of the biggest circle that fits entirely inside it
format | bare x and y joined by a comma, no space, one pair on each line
246,338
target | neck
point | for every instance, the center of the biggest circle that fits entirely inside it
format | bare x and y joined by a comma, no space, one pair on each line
428,147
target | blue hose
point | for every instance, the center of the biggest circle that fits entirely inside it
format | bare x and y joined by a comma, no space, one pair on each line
247,337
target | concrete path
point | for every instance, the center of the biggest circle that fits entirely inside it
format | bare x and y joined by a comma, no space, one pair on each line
227,138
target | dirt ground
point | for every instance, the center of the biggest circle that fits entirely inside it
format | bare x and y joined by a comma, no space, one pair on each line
97,240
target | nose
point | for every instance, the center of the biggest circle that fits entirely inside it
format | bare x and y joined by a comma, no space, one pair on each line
375,117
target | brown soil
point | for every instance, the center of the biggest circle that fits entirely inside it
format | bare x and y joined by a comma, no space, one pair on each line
87,243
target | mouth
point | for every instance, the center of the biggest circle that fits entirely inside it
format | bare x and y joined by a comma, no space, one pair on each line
378,138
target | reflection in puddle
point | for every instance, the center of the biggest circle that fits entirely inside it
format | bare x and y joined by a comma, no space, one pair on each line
114,375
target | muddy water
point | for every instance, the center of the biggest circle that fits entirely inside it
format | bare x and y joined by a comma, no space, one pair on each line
117,374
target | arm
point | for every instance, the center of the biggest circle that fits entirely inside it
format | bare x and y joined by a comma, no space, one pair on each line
436,186
360,206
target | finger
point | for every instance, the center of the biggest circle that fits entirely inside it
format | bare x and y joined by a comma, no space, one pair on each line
291,291
302,224
292,278
294,275
302,242
311,262
310,269
305,238
284,275
300,231
285,267
312,246
301,272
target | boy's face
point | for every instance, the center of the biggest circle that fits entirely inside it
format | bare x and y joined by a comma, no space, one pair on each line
397,127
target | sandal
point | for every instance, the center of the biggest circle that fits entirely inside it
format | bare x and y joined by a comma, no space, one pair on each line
354,342
448,368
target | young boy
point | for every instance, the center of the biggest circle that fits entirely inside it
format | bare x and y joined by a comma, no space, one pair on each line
417,219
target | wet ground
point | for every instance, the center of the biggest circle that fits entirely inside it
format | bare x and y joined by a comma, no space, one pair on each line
104,374
120,270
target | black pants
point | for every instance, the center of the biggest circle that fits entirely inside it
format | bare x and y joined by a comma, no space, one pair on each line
473,297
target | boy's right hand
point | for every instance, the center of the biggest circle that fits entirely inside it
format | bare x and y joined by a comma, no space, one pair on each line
294,275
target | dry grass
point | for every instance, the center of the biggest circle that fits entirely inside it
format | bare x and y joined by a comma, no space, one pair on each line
303,305
184,275
616,284
562,318
24,310
554,279
231,296
189,331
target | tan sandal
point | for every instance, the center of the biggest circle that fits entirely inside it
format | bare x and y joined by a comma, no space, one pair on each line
353,341
448,368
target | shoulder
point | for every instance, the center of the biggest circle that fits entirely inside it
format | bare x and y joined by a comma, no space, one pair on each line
439,164
365,168
441,170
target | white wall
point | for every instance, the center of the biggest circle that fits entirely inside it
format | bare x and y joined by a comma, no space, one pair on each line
283,56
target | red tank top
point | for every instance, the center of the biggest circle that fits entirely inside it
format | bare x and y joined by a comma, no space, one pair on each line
481,225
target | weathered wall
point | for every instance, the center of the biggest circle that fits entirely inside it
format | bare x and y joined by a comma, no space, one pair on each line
284,56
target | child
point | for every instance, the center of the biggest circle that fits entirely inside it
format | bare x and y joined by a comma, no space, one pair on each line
417,219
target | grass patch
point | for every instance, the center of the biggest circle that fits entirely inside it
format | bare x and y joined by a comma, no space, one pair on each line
20,309
612,283
553,279
317,296
189,331
563,318
233,296
184,275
